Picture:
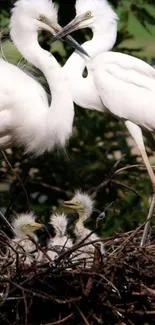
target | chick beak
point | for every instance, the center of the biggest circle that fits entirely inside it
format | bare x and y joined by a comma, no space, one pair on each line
69,204
36,226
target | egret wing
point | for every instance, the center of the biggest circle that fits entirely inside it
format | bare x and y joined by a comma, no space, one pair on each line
126,86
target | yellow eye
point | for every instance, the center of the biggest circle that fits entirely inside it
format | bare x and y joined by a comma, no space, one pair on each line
41,17
88,14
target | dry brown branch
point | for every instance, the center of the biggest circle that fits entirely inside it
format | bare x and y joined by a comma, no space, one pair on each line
82,315
118,289
63,320
17,176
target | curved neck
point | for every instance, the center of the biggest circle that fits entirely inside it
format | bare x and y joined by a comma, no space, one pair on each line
43,60
103,40
84,92
83,216
55,122
80,231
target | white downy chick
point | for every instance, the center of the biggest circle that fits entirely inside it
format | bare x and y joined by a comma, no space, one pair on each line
61,241
83,205
25,225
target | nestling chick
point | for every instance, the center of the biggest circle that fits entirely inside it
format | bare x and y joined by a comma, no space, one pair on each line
83,205
23,226
61,240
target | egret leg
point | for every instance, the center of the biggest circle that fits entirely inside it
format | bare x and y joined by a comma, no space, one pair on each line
136,133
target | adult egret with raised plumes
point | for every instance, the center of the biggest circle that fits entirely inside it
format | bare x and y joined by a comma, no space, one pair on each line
83,205
24,225
125,84
25,115
61,241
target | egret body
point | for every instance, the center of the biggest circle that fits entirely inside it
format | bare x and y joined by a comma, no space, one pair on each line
125,84
25,115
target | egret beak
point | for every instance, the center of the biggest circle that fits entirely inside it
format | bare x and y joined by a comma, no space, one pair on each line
72,26
47,27
68,39
33,226
55,29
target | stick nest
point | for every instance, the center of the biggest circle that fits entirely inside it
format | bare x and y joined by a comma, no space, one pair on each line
118,289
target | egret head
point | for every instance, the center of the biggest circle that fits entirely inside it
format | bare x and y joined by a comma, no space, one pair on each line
92,14
59,223
25,224
81,203
30,16
33,15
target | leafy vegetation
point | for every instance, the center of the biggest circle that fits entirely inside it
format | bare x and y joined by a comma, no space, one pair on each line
98,141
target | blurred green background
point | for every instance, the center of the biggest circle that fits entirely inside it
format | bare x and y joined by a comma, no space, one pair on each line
98,140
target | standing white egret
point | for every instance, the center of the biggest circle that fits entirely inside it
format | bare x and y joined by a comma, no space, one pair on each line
125,84
83,205
24,225
61,240
25,115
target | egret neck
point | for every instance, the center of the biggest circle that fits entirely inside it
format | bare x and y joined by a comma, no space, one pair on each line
104,37
58,123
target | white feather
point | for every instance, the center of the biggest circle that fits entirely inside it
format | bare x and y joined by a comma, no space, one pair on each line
25,116
21,242
104,26
133,87
85,253
118,83
61,240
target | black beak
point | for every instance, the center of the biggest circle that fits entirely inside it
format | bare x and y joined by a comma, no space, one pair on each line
71,41
68,39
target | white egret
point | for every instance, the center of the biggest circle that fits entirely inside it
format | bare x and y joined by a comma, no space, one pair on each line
84,91
83,205
25,115
61,240
24,225
125,84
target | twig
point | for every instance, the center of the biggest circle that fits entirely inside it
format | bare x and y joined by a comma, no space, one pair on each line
81,244
25,305
17,176
124,185
104,278
95,268
81,314
61,320
5,295
113,172
108,179
50,187
39,247
130,167
120,249
7,222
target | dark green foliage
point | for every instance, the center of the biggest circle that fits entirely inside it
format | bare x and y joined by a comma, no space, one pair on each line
98,141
